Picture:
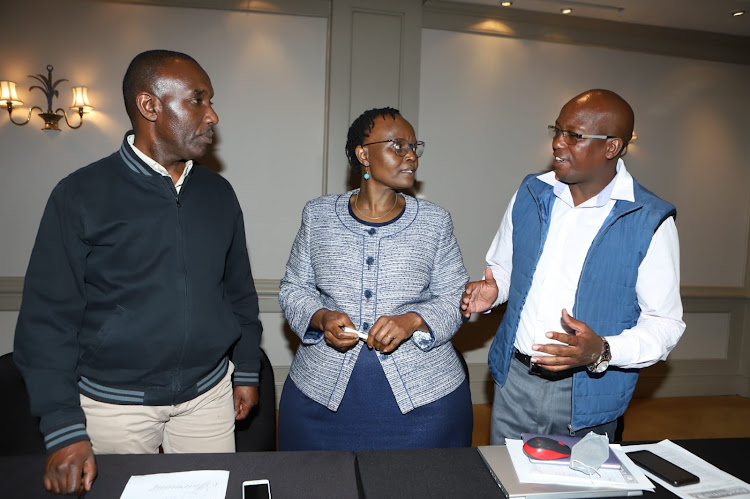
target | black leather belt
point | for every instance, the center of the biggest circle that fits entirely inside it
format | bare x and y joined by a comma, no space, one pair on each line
537,370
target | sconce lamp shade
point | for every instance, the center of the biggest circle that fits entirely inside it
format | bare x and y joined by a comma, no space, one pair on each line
81,100
8,94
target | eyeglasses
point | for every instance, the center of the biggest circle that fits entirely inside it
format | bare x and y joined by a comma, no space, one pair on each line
402,146
571,138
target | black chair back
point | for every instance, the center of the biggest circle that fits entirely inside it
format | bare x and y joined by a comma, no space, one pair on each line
19,431
258,431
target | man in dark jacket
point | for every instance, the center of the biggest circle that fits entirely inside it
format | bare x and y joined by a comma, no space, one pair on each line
139,310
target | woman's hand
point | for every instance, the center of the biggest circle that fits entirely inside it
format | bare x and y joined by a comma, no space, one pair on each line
332,324
389,331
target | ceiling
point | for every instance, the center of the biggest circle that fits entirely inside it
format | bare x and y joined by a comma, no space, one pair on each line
703,15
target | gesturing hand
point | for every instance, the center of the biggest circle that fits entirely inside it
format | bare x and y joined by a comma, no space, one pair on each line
70,470
581,348
478,296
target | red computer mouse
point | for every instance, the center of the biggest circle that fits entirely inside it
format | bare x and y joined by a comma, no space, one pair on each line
545,448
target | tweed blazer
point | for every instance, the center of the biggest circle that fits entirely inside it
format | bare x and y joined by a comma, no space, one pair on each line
413,264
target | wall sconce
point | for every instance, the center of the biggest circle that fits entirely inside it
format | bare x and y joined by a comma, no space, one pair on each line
9,98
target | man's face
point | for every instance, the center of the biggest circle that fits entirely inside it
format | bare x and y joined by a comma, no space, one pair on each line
585,161
184,127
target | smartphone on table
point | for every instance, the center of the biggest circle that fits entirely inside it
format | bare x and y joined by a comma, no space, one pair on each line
256,489
660,467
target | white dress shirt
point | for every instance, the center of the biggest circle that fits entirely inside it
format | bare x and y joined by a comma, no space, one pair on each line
157,167
553,287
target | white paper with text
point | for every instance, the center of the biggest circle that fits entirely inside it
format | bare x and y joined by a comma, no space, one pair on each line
202,484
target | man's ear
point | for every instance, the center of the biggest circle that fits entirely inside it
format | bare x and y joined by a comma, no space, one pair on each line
148,105
614,148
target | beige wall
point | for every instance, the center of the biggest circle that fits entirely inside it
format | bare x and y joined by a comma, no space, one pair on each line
481,88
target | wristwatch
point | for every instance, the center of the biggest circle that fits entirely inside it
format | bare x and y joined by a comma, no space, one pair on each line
602,363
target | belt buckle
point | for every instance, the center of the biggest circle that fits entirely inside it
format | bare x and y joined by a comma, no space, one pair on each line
536,370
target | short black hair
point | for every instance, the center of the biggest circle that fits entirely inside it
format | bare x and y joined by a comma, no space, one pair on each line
141,74
360,130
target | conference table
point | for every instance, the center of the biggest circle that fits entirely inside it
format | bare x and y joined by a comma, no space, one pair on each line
422,473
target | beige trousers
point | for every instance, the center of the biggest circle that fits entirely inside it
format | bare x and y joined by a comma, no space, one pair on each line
204,424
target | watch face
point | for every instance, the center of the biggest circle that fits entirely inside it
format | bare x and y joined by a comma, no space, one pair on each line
602,366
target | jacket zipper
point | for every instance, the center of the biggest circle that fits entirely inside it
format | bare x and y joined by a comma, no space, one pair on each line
176,384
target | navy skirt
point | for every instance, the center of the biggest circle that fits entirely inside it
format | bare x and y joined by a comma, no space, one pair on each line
369,418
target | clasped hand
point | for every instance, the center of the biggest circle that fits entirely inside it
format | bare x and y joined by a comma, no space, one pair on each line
385,335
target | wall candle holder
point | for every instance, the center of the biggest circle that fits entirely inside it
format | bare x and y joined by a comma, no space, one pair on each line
10,99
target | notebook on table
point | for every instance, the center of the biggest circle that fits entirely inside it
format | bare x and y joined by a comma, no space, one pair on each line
498,461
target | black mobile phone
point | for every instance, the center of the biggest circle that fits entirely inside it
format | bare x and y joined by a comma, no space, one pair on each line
667,471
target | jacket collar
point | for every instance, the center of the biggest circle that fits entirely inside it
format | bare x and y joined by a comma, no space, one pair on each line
407,218
132,160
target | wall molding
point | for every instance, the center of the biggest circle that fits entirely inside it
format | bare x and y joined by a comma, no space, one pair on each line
481,384
11,289
674,378
517,23
314,8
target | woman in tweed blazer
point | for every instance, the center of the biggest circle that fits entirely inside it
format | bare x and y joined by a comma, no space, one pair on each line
387,265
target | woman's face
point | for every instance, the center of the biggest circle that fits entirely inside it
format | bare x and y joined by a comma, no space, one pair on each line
386,167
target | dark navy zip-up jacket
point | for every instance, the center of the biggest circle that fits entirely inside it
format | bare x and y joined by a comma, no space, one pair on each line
134,294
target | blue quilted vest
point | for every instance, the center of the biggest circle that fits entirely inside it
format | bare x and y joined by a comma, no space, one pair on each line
605,299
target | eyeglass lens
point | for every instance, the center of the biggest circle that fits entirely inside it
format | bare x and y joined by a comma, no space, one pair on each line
569,137
401,147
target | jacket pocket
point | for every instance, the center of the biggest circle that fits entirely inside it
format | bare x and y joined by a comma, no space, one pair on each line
111,329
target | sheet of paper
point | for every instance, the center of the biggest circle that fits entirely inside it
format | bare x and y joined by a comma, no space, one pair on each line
202,484
714,483
628,477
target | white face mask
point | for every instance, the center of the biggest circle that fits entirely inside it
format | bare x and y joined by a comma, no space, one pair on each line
590,453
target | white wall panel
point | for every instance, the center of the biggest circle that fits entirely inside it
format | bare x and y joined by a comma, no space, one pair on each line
485,102
268,73
706,337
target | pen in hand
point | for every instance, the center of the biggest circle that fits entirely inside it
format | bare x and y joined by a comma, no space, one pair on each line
362,335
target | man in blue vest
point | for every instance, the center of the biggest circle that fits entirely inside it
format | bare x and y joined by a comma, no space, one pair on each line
588,261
